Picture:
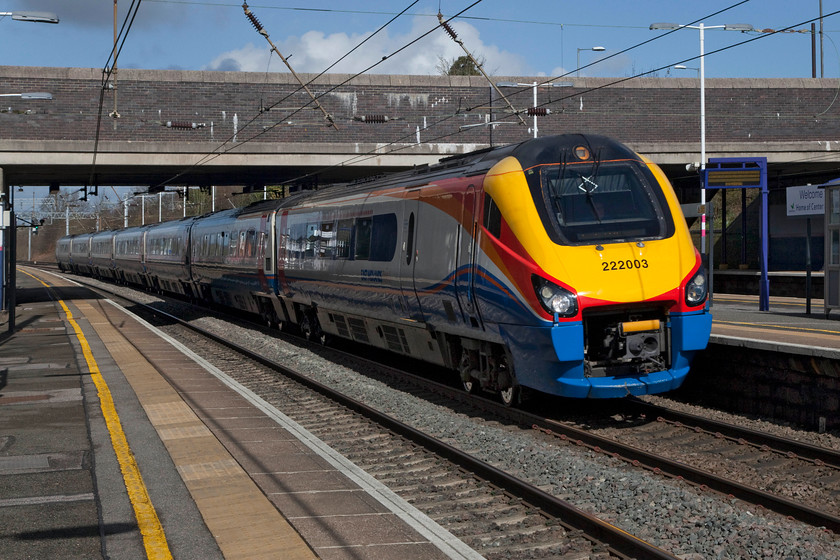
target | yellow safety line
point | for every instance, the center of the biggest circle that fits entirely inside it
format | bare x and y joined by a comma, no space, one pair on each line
154,539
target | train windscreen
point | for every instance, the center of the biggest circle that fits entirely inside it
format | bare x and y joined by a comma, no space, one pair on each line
602,202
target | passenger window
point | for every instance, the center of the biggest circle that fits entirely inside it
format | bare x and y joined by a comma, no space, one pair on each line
342,239
326,240
249,244
383,237
362,238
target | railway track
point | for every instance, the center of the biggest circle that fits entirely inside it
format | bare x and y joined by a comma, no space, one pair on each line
628,437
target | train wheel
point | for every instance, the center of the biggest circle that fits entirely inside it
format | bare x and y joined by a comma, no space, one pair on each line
470,386
311,329
306,327
510,396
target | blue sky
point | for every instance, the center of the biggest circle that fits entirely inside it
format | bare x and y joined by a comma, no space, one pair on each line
529,38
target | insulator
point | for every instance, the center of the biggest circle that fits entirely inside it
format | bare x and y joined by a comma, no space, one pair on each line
448,28
373,119
183,124
538,111
254,21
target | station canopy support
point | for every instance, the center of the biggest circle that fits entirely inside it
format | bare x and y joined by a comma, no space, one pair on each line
742,173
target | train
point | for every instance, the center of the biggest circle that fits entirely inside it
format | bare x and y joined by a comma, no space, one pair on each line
561,265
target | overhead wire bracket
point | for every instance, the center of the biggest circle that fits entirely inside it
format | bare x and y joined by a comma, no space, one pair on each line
258,26
451,33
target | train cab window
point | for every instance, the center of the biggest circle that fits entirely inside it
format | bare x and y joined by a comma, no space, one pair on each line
604,202
492,217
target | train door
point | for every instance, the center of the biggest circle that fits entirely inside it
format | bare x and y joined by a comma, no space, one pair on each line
467,246
409,303
142,251
436,248
265,253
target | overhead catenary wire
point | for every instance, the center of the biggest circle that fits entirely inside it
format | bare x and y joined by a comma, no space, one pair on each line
341,58
379,151
259,27
363,157
107,71
451,32
310,82
541,22
211,156
216,153
690,59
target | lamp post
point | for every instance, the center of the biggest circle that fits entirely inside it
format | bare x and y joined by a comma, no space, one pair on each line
702,28
535,85
596,49
7,296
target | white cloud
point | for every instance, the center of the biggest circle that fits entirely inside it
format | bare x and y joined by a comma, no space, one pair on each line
314,51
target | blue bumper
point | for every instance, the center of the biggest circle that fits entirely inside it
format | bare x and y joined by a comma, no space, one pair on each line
562,372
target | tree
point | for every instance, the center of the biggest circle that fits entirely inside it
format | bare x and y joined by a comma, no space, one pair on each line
461,66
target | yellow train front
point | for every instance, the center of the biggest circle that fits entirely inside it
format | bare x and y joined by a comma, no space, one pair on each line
585,250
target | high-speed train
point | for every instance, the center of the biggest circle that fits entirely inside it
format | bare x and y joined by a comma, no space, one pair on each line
561,264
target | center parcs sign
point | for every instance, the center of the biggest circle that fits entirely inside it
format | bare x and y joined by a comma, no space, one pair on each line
805,201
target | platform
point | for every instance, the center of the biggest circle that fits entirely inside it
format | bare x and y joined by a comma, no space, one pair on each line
785,327
118,442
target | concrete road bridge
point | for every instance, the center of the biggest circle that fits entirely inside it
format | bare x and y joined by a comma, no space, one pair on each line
182,128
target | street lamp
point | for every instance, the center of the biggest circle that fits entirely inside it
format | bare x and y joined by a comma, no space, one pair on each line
534,110
684,67
35,17
728,27
596,49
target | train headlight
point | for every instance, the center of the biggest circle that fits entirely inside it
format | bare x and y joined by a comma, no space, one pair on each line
555,299
697,289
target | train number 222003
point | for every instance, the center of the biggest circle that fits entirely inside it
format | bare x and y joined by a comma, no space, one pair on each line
624,265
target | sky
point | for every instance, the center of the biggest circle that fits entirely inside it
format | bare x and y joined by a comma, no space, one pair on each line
528,38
